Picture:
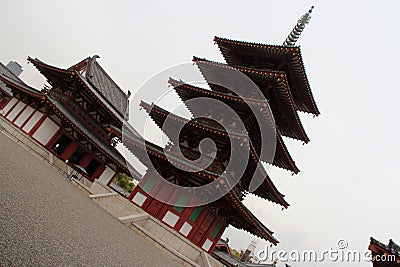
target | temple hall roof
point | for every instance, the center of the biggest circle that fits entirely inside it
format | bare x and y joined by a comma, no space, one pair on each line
91,71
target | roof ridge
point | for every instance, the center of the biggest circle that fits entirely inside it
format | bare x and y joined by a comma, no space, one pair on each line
237,67
247,43
93,60
77,64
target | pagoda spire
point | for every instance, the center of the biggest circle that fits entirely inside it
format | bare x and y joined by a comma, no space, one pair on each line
301,24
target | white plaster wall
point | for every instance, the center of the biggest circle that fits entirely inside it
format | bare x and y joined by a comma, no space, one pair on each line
106,176
185,229
14,112
46,131
170,218
139,198
207,244
34,119
9,105
24,115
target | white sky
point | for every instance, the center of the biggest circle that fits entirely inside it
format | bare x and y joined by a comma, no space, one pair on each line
348,187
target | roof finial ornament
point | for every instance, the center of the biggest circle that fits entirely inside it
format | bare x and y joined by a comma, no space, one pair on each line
301,24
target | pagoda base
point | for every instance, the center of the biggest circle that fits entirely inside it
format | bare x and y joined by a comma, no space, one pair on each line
201,225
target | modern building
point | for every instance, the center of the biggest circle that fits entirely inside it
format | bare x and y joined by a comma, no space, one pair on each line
15,68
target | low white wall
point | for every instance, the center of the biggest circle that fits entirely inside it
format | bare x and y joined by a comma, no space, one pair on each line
32,121
24,116
14,112
106,176
9,105
46,131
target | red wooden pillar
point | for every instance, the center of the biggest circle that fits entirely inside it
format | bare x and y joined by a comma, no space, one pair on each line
201,228
37,125
54,139
138,187
19,113
4,101
98,172
112,178
134,191
69,150
218,237
209,235
27,120
85,160
8,112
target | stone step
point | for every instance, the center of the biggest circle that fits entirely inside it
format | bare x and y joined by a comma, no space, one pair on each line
116,206
104,195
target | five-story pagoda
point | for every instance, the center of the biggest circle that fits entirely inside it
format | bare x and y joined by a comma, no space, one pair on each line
279,75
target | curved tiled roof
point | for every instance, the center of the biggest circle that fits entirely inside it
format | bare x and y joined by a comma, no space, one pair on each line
106,86
136,145
214,72
187,92
159,115
266,56
91,73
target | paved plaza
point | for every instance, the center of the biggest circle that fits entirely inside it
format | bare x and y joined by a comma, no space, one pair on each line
46,221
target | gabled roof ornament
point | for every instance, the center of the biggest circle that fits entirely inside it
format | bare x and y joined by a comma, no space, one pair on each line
301,24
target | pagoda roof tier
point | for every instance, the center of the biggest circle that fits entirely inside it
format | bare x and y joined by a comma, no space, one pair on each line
282,158
186,92
273,85
159,116
186,89
135,144
272,57
267,190
93,78
247,221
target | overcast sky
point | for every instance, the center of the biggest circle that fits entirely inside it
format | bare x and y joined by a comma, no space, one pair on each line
348,187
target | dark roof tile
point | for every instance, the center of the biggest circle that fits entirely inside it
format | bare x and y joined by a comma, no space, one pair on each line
97,76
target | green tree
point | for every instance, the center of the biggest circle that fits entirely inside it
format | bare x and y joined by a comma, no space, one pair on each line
235,253
124,181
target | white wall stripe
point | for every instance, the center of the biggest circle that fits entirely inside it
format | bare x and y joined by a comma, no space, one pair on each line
24,116
14,112
32,121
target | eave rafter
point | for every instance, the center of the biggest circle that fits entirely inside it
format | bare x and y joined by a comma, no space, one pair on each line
291,125
71,78
233,52
188,92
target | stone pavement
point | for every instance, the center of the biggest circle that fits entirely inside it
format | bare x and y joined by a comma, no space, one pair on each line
46,221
